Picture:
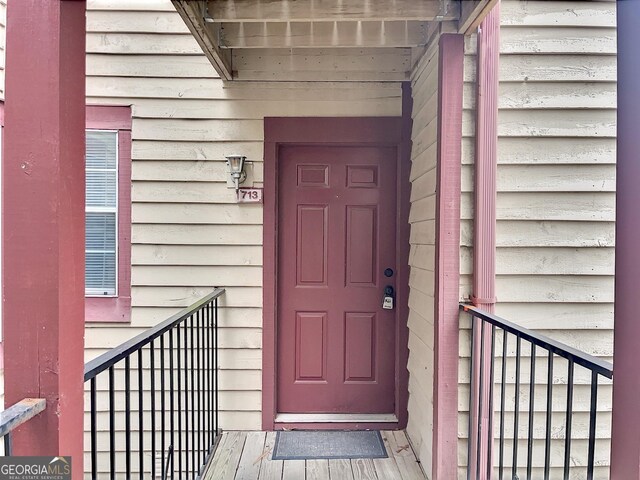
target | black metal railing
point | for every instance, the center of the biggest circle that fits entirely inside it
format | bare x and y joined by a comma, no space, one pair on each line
495,343
153,401
16,415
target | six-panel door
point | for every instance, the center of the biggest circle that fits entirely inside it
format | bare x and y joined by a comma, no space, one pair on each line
336,236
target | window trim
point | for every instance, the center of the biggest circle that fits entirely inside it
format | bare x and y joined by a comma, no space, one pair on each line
115,309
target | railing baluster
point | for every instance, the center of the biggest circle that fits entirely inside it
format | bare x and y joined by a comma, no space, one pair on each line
112,428
472,382
516,411
547,440
140,418
162,404
203,379
152,365
503,385
179,412
94,428
202,394
215,366
7,445
172,418
186,396
198,377
212,376
480,399
569,418
592,425
207,399
193,391
532,388
127,415
491,389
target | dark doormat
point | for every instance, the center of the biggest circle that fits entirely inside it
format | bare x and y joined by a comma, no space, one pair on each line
299,445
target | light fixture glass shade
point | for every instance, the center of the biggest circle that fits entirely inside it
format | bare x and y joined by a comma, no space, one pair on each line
236,169
236,163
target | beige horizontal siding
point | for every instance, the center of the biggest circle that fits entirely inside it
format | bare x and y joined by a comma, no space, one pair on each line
422,255
555,208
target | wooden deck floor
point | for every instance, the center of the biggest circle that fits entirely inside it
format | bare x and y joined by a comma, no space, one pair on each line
247,456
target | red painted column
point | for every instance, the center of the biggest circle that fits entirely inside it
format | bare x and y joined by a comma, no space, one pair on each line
43,222
484,246
447,274
625,447
486,161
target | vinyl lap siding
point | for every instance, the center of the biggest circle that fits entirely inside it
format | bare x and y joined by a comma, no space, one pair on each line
188,234
555,204
422,255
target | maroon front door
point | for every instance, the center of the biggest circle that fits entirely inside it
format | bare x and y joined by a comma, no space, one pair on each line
336,237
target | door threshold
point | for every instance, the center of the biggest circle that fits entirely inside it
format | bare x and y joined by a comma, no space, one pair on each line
336,418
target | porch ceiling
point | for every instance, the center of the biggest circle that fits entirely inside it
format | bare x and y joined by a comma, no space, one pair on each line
322,40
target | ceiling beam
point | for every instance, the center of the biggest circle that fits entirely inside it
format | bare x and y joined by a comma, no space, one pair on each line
323,34
206,35
472,12
331,10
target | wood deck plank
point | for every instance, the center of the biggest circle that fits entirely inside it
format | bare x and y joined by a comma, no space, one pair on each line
225,462
340,469
247,456
404,456
214,460
293,470
251,459
318,469
363,469
386,468
270,469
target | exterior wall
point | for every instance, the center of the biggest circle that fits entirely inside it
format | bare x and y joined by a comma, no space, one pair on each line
555,180
555,204
187,232
422,255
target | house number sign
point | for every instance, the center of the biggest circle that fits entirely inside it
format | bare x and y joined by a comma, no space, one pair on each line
250,195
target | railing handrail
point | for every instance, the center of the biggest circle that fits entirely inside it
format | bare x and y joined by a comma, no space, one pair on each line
590,362
113,356
19,413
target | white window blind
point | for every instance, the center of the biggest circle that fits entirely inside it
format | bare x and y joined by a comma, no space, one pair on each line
101,234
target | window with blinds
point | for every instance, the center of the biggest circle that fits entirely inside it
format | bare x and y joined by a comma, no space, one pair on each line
101,231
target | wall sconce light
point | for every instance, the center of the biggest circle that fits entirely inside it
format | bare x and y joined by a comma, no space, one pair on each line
235,167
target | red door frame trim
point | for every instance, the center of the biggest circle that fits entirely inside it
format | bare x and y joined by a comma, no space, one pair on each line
325,131
447,275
